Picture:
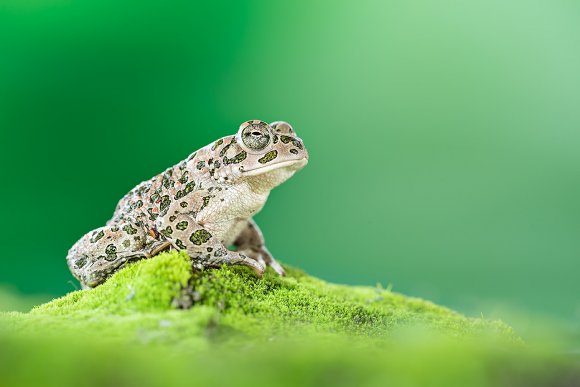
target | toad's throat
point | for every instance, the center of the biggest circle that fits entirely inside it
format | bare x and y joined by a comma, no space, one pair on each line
292,165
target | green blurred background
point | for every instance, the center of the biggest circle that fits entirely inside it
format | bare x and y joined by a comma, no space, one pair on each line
444,135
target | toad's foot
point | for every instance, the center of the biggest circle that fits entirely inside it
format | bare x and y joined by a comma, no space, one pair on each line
263,256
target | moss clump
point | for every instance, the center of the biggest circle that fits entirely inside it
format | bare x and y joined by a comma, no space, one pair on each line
147,286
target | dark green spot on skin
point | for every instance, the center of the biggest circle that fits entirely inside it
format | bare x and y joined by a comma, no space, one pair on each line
172,218
166,182
294,151
114,229
111,252
297,144
179,194
126,243
180,244
189,187
111,249
129,229
167,231
275,139
236,159
95,238
192,156
154,197
217,165
217,143
285,139
183,179
225,148
183,204
80,262
182,225
199,237
205,202
152,216
209,249
139,203
164,206
200,165
268,157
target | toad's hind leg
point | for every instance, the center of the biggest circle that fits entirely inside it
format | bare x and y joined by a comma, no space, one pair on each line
101,252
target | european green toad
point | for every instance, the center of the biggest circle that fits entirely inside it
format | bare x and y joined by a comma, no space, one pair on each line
201,205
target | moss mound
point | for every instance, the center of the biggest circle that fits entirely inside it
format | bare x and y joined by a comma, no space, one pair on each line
143,302
158,323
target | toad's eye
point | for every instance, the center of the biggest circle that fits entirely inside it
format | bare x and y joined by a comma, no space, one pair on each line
256,135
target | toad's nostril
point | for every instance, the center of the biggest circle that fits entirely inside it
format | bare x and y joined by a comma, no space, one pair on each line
256,133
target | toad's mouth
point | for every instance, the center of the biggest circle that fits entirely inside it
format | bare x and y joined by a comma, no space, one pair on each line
290,165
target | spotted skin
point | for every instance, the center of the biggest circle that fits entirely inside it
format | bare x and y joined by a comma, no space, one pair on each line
201,205
270,156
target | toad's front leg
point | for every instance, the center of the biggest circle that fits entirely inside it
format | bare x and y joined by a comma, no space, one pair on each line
250,242
185,233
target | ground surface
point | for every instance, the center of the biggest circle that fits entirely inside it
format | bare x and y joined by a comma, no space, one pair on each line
156,323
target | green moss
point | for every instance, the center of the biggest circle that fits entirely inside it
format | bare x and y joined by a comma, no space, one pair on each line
143,300
158,323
